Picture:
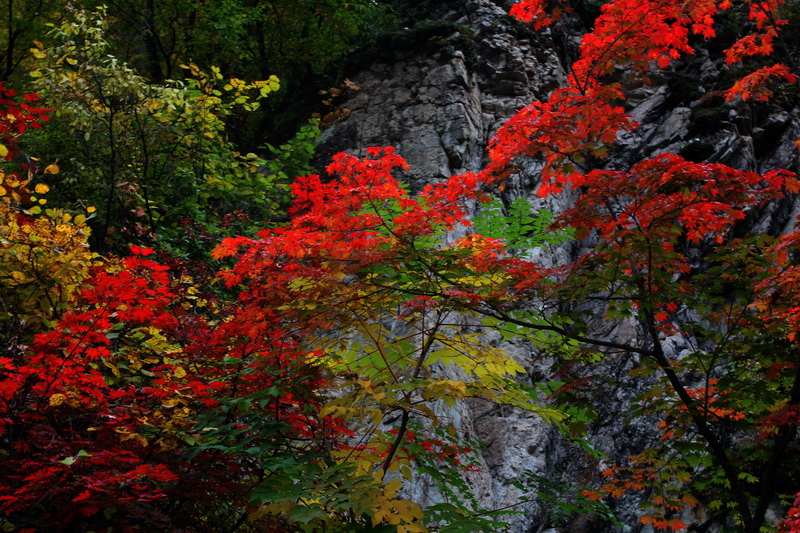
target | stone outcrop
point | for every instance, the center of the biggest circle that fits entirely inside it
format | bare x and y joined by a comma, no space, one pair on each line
441,97
438,94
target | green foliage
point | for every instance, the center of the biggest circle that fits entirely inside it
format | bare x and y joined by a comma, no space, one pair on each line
521,229
156,160
288,38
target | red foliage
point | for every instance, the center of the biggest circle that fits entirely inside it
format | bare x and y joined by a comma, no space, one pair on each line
758,85
791,524
578,122
96,414
17,118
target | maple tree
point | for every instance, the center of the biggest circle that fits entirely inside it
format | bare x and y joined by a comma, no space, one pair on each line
363,277
727,398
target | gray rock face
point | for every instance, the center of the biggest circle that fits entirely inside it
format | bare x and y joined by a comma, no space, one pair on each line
439,104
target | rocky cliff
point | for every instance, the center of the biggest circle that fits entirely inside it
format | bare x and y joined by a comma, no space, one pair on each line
437,91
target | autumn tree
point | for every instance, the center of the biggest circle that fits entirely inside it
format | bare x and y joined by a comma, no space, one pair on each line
726,400
304,402
364,277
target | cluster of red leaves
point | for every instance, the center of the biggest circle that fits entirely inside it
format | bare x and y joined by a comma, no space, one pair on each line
541,13
630,34
572,125
711,401
787,415
417,445
763,13
579,121
99,413
778,292
341,226
658,195
791,524
18,117
664,506
758,85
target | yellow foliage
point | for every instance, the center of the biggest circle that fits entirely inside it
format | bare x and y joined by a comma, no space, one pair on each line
57,399
43,256
402,513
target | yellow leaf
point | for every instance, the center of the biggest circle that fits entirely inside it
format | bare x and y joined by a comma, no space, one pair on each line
3,150
112,367
457,388
51,169
91,209
690,500
329,410
179,372
41,188
57,399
